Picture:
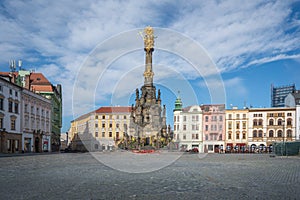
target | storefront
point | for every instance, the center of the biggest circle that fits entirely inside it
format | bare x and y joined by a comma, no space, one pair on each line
46,143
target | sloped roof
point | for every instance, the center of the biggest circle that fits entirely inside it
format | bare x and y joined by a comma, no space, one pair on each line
114,109
38,79
42,88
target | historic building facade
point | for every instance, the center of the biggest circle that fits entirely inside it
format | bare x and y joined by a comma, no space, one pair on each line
102,129
10,117
236,130
268,125
188,127
36,122
148,116
213,118
38,83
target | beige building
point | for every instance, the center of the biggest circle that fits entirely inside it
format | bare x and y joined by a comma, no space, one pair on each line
102,129
236,130
268,125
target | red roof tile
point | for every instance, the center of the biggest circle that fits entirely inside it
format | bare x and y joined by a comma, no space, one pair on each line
41,88
38,79
114,109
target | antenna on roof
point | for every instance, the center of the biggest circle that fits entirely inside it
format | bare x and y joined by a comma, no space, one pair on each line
20,64
12,65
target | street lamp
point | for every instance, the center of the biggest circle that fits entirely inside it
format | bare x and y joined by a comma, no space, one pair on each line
283,142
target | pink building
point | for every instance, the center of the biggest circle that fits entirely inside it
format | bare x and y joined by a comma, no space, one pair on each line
213,127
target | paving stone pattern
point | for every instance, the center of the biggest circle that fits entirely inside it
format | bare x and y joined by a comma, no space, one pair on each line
216,176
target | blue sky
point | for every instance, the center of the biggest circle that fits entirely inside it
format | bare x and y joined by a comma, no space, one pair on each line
246,44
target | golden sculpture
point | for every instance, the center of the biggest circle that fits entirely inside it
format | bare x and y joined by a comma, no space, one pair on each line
148,38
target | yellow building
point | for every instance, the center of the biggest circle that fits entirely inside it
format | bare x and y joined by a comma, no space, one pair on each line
102,129
236,130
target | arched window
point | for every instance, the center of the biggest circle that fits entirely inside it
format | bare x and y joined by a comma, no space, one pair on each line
289,122
255,133
279,122
255,122
271,122
289,133
260,122
260,133
279,133
271,133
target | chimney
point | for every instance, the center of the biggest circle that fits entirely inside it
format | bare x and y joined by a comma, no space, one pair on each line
27,82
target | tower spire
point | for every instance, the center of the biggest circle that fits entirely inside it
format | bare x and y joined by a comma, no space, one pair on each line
149,48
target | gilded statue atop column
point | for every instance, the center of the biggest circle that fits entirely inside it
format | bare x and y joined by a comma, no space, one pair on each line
148,38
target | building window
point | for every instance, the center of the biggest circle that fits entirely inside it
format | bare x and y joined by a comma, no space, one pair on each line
271,133
96,117
279,133
237,125
238,116
260,115
117,117
117,126
206,118
103,125
103,116
229,136
103,134
280,114
289,122
220,118
244,136
1,122
255,133
237,136
13,124
1,104
110,134
220,127
220,137
184,127
174,127
271,122
230,116
197,136
260,122
96,134
244,125
184,118
255,122
10,91
289,133
206,137
174,118
244,116
110,125
125,117
279,122
206,127
229,125
96,125
184,137
260,133
10,106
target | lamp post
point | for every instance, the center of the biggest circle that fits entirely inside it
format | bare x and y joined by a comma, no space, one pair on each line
283,142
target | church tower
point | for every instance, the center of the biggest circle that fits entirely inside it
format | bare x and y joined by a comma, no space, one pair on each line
148,117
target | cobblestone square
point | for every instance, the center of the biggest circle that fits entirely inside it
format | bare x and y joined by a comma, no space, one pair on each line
191,176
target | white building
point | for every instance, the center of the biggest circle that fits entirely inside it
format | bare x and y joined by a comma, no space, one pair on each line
10,119
188,126
36,122
293,100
